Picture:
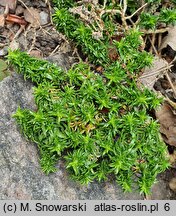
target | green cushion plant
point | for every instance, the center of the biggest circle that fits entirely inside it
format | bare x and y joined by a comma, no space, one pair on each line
100,126
98,123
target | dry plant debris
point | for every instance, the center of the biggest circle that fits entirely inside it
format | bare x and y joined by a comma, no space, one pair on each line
15,19
152,73
167,120
2,20
11,4
170,39
28,27
172,159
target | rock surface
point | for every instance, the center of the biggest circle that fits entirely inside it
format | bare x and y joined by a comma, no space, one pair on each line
161,190
44,18
20,173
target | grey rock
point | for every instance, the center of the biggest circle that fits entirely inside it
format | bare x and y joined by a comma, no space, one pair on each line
161,189
4,51
20,174
44,18
19,10
2,10
61,59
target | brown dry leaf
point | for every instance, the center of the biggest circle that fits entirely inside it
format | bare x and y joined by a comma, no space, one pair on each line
172,159
167,121
2,20
32,16
170,39
172,104
172,184
150,75
15,19
10,3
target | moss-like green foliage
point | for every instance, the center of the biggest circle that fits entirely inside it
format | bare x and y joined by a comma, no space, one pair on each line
168,16
98,123
100,126
76,30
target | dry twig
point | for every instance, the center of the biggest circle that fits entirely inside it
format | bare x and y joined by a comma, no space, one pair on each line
50,13
21,29
129,17
152,41
157,31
